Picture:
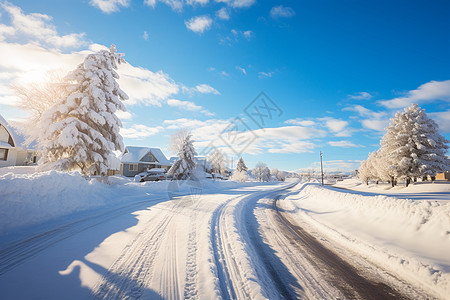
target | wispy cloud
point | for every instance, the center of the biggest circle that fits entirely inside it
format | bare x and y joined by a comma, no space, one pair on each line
38,27
360,96
223,14
281,12
145,36
263,75
190,106
427,92
370,119
199,24
343,144
238,3
139,131
200,88
242,70
336,126
176,5
300,122
109,6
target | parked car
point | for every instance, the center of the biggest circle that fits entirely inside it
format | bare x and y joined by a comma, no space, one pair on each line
154,176
217,176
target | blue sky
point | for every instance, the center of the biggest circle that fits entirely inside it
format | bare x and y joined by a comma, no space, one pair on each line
337,70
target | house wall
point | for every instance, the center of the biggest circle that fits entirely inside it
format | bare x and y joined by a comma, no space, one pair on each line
11,159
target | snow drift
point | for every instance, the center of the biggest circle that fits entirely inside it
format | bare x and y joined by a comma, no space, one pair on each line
410,238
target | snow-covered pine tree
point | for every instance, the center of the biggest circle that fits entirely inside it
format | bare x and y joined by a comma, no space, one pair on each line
185,165
218,161
81,131
241,166
240,174
412,146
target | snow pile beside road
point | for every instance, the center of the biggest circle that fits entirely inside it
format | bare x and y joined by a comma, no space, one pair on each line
33,198
410,238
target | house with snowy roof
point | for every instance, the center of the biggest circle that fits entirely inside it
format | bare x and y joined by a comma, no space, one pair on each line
139,159
12,149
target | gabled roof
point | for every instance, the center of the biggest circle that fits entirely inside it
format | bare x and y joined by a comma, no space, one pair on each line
134,155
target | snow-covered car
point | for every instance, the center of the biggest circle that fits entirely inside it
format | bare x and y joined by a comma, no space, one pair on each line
154,176
217,176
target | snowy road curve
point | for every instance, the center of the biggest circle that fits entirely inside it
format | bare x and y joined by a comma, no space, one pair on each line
224,243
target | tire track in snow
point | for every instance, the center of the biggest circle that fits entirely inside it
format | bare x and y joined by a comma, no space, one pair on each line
190,288
340,273
129,274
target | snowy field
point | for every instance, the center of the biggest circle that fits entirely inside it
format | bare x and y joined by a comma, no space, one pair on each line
65,237
404,231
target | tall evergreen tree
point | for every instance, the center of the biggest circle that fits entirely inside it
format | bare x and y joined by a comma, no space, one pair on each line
241,166
81,131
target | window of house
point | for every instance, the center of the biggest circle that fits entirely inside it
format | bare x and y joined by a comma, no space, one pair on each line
3,154
133,167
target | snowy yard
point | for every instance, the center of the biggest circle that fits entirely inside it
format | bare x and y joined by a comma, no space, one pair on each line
65,237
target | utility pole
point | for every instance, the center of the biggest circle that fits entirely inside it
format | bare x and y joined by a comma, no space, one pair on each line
321,166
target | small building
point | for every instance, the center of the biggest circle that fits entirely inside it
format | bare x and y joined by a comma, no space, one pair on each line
12,149
140,159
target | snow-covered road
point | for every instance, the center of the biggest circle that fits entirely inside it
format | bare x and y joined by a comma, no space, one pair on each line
229,243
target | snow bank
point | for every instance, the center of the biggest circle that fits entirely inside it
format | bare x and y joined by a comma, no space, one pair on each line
33,198
28,197
410,238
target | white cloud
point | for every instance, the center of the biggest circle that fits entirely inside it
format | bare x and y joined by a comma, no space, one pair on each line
300,122
224,74
139,131
238,3
200,88
287,139
236,35
336,126
343,144
442,119
281,12
197,2
146,87
241,69
263,75
223,14
427,92
361,96
176,5
38,27
206,89
145,36
124,115
188,105
373,120
374,124
109,6
199,24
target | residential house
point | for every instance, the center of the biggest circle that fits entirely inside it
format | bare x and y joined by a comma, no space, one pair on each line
140,159
12,150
